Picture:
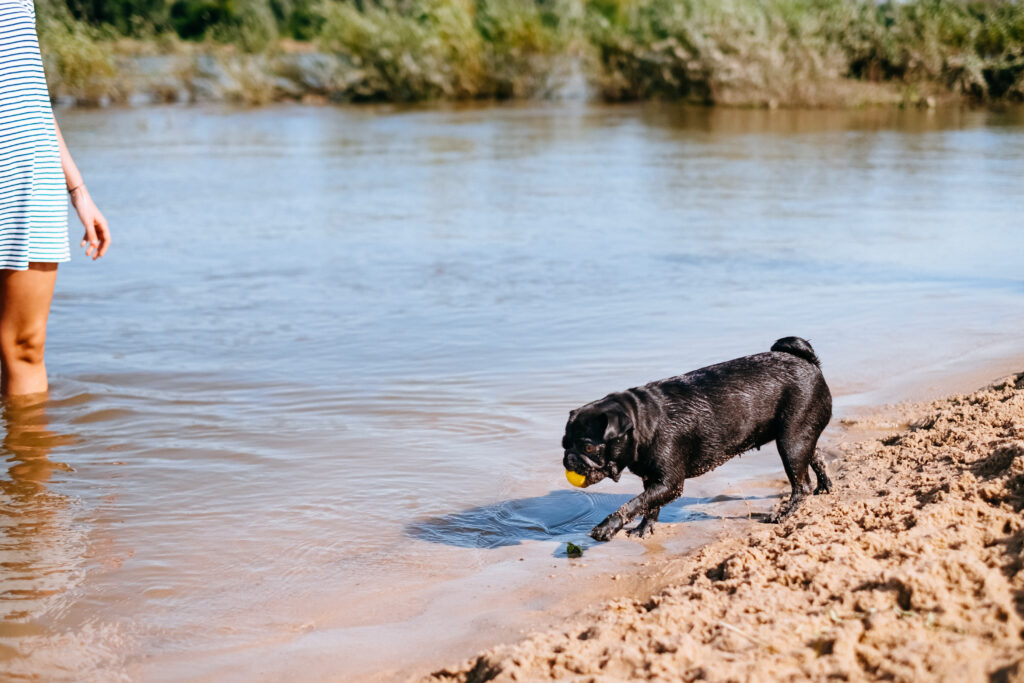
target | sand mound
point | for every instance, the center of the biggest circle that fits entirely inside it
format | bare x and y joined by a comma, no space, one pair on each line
911,570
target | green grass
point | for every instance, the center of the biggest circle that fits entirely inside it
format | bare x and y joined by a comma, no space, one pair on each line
452,49
733,52
78,60
807,51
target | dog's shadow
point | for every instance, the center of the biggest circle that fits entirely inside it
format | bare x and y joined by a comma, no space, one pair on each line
562,515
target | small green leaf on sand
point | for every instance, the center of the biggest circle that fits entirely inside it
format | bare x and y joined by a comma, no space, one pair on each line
573,550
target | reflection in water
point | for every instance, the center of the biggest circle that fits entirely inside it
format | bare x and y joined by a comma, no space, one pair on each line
41,550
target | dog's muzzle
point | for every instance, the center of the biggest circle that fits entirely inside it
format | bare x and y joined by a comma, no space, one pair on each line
592,470
580,461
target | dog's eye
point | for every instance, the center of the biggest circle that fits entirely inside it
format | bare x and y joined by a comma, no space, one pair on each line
590,448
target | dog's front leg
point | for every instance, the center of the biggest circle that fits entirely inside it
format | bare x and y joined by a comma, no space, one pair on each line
646,526
648,502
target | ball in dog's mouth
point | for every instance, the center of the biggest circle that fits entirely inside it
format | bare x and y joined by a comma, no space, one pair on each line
576,479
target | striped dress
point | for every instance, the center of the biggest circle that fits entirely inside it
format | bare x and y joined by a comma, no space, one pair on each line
33,197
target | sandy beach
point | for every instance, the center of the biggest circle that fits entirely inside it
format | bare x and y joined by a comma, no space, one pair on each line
909,570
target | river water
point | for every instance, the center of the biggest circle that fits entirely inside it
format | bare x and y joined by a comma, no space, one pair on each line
305,417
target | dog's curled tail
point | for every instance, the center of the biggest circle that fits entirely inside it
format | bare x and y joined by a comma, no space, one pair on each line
798,347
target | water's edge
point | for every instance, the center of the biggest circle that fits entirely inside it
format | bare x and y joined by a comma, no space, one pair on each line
643,573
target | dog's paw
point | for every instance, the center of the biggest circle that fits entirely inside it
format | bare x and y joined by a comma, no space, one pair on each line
823,487
786,508
606,529
644,529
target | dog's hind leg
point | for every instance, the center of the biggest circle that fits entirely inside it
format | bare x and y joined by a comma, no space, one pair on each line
796,446
824,483
795,461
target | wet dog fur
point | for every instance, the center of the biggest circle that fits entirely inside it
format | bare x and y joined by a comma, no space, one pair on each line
678,428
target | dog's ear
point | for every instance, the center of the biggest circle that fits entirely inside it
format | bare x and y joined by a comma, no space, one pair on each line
619,424
566,441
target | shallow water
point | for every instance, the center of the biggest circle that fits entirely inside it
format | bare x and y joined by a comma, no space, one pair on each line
309,408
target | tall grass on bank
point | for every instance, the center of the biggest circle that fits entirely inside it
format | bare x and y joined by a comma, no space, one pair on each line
734,52
453,49
807,51
78,61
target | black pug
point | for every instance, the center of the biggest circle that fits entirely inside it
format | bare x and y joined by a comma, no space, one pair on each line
682,427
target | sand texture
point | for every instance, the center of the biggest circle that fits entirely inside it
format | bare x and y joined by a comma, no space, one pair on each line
910,570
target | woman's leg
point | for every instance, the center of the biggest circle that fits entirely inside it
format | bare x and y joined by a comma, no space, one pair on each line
25,297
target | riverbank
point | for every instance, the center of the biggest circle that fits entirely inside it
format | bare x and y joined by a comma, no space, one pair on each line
750,54
910,570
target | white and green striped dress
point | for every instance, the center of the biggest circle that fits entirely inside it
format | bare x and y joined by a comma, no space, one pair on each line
33,198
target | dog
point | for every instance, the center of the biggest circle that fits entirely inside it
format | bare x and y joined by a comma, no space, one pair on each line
678,428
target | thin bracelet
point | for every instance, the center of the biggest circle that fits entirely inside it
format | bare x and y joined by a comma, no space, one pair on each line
72,189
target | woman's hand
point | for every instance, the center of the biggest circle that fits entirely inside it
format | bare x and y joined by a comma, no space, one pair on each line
96,239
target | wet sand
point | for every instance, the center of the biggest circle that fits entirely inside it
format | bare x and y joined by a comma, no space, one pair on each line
910,570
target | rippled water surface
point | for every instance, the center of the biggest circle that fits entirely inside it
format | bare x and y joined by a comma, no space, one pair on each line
314,396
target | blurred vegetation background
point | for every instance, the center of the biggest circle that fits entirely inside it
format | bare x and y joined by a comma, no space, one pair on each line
735,52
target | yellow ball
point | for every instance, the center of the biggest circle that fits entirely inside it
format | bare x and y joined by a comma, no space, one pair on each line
575,478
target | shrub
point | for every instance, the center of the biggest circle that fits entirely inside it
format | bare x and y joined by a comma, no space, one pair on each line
75,59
